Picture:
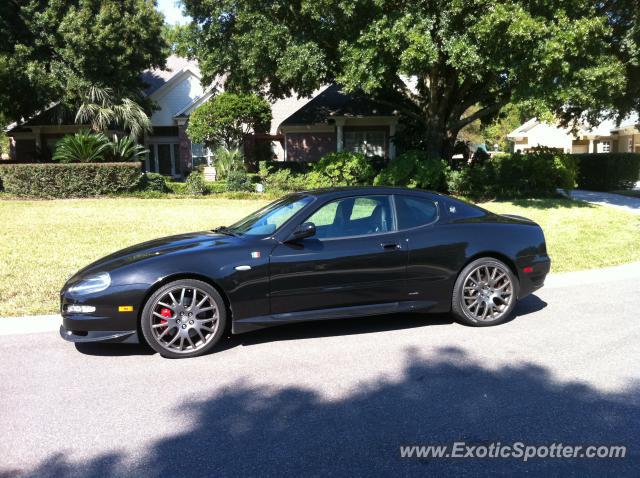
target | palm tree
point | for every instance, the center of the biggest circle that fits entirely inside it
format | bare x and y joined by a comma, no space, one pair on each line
82,147
126,149
227,160
101,109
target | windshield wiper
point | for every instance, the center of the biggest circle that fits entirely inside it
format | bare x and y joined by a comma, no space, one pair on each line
225,230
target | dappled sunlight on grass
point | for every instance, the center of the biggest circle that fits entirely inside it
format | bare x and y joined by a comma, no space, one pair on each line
579,235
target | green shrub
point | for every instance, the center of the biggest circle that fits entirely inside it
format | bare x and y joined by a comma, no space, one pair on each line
195,184
535,174
82,147
216,187
69,180
239,181
414,169
153,182
125,149
284,180
471,181
176,187
608,171
343,169
227,161
296,167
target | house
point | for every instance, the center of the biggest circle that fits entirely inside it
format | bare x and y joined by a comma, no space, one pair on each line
608,136
336,121
302,129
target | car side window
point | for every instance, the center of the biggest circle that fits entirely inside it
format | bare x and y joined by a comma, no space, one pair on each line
354,216
414,211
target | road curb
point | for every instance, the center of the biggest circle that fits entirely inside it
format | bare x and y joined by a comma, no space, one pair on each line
594,276
30,324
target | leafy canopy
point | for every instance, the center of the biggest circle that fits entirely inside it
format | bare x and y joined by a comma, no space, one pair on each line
50,50
432,59
227,118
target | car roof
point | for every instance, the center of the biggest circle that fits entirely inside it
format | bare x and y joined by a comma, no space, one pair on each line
345,191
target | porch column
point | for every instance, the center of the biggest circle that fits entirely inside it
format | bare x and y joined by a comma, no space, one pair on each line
392,143
184,146
12,149
339,134
591,146
38,139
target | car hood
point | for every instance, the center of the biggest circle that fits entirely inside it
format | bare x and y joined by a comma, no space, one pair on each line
157,248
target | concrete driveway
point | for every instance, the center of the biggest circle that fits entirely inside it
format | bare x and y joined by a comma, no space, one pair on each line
337,397
625,203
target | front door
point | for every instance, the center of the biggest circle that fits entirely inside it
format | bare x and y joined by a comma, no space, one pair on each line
356,259
164,158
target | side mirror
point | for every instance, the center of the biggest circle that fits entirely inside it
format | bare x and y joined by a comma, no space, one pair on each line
304,230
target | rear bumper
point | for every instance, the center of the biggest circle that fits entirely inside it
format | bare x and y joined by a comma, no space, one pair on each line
534,280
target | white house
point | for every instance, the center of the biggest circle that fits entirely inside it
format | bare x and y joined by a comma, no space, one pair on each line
604,137
302,129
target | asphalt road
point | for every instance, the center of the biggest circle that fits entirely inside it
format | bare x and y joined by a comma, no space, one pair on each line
336,398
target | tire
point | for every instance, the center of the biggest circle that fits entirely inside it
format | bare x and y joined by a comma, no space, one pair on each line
477,284
185,318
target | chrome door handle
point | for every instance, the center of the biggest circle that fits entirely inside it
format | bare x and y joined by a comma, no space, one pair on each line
243,268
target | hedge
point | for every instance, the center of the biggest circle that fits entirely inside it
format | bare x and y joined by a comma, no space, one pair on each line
70,179
535,174
608,171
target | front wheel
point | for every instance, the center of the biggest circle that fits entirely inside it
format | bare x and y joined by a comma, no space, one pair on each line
485,293
185,318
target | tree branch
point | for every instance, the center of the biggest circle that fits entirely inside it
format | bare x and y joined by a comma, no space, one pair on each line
481,113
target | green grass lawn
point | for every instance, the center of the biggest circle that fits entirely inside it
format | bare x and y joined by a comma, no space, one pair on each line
44,242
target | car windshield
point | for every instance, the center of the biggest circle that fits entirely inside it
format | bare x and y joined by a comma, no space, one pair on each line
268,220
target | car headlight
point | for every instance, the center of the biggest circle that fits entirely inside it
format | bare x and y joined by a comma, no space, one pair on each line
91,284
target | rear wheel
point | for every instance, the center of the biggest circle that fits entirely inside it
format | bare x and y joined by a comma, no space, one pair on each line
485,293
185,318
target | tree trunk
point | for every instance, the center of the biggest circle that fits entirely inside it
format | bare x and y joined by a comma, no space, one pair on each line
439,140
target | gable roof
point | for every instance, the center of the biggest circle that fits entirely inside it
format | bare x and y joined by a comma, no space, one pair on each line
156,78
605,128
334,102
524,128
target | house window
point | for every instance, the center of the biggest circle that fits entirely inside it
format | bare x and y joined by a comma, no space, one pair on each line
630,144
604,147
369,143
201,155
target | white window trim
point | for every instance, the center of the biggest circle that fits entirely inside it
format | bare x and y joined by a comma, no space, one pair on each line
602,148
362,144
153,144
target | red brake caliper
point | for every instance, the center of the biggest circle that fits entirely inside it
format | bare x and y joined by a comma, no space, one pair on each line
165,312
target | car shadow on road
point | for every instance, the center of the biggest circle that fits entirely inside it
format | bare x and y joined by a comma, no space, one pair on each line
443,397
318,329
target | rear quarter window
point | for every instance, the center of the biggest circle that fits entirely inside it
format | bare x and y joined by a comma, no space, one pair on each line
415,211
462,210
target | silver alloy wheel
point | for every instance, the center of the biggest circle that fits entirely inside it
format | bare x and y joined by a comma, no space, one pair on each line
487,293
184,319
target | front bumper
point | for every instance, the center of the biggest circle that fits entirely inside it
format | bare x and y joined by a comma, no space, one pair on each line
122,337
107,323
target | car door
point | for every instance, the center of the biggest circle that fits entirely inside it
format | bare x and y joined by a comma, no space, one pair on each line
435,250
356,259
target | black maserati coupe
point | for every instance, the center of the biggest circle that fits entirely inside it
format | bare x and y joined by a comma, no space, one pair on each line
315,255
